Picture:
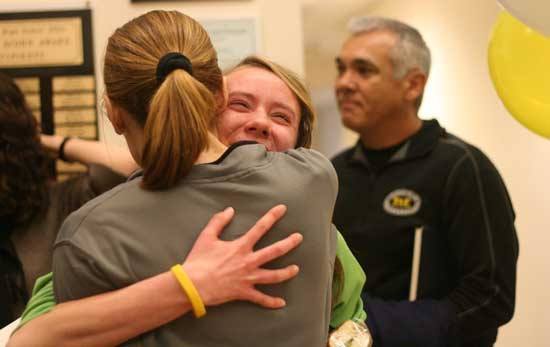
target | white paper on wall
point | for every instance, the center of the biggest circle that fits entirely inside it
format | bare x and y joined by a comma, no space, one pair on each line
233,39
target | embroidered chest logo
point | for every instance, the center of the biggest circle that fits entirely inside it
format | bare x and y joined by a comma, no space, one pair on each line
402,202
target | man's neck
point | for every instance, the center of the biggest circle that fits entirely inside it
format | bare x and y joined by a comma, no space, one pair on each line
391,133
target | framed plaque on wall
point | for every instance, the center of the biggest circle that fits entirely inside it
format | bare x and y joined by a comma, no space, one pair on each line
50,56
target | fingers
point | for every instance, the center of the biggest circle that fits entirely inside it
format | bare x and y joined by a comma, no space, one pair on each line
217,223
263,225
264,276
262,299
276,250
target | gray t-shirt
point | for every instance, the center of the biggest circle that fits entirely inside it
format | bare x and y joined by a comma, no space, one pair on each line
130,234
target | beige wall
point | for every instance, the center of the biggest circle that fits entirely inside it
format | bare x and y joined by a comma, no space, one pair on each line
461,96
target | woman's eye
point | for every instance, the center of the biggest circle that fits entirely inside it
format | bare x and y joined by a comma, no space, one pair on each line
282,117
239,104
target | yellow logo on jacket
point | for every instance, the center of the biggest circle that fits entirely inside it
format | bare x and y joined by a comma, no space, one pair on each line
402,202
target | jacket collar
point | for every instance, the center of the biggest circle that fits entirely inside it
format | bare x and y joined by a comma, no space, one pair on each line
417,145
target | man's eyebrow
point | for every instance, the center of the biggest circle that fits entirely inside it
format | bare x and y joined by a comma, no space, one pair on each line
362,62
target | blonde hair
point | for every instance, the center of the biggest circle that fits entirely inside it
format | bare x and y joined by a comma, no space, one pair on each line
176,113
295,84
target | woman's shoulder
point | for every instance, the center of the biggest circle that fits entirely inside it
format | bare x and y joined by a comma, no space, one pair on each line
258,153
308,165
304,157
96,209
314,160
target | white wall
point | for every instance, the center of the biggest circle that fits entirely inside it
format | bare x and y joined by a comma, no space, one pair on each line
461,96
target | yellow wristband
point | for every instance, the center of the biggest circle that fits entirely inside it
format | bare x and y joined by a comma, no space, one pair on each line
190,290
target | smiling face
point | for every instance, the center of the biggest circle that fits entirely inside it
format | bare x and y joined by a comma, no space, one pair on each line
261,108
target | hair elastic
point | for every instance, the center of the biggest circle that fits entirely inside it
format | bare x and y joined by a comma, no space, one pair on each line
171,62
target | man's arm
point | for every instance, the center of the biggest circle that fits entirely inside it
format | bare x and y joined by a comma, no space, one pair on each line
483,241
222,271
479,222
422,323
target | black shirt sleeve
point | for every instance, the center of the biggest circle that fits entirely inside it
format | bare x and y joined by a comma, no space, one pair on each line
479,220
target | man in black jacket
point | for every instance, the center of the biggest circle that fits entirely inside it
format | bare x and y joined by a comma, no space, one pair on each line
426,214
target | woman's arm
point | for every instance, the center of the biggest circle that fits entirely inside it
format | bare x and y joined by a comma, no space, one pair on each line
222,271
90,152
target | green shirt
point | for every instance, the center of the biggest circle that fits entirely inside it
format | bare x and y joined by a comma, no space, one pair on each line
42,299
348,306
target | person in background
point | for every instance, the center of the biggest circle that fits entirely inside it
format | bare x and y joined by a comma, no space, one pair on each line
406,177
32,207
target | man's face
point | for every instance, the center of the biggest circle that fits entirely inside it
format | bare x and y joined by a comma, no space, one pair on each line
261,108
366,90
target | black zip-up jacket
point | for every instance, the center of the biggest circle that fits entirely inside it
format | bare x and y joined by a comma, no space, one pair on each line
466,284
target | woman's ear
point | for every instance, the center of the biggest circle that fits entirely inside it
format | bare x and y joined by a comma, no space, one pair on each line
114,113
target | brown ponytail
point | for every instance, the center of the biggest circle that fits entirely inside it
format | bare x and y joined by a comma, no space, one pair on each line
176,130
176,113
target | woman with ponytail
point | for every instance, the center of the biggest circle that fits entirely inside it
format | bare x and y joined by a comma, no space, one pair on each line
163,90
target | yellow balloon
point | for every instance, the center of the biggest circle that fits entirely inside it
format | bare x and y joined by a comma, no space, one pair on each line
519,64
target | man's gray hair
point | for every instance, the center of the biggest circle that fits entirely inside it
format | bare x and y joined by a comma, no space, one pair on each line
409,52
